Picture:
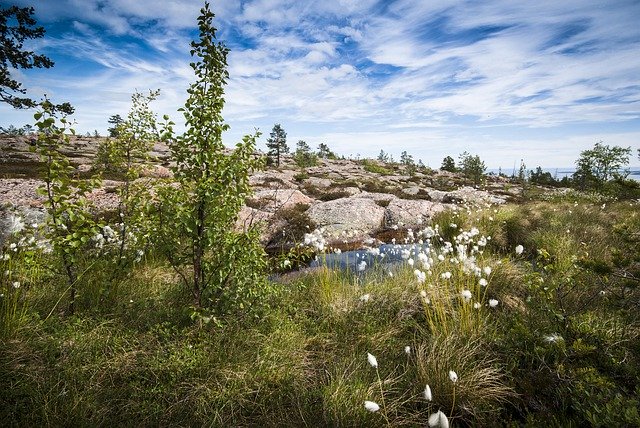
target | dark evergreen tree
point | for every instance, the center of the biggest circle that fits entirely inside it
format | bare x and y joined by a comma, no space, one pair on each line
448,164
303,155
115,120
324,152
277,143
16,26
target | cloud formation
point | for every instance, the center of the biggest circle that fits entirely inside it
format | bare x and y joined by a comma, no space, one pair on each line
496,78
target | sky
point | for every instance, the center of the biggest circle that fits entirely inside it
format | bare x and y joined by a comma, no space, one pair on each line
504,79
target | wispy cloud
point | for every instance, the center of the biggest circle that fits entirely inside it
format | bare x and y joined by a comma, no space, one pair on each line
430,77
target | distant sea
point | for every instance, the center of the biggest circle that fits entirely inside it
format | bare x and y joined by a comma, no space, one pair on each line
559,173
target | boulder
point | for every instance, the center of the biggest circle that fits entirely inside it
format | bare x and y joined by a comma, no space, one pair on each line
347,215
404,212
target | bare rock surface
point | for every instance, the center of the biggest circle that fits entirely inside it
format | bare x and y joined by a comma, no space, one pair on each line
272,200
347,197
346,215
406,212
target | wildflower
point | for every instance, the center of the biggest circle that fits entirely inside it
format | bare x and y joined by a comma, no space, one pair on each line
483,282
466,295
16,284
553,338
15,224
519,249
372,361
441,257
493,303
487,270
371,406
365,298
438,420
407,350
427,393
453,376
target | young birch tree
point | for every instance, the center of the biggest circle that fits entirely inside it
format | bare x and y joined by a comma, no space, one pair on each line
222,267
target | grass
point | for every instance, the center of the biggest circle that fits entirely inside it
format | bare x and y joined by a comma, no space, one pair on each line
132,355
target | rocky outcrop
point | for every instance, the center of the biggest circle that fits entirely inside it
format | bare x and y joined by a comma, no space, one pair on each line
348,198
271,200
409,213
347,215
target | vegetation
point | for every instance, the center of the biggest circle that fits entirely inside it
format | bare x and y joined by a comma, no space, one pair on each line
12,38
303,156
472,167
324,152
115,120
550,337
448,164
223,268
376,168
277,144
516,315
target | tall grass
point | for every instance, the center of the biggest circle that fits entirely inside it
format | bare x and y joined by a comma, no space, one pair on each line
553,344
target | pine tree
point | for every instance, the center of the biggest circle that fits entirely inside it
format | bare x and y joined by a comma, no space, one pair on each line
277,143
325,152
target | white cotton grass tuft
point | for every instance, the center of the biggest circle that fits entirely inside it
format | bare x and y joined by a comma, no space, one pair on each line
373,362
438,420
519,249
483,282
16,224
407,350
493,303
427,393
371,406
362,266
453,376
365,298
466,295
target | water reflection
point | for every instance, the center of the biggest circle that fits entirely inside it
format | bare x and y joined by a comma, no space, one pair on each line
361,260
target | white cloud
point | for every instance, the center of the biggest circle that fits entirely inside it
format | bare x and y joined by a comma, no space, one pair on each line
366,75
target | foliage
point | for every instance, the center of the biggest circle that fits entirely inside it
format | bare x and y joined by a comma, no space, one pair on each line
115,120
127,155
15,132
70,224
598,165
12,38
448,164
384,157
303,156
472,167
277,144
223,268
324,152
375,168
407,161
543,178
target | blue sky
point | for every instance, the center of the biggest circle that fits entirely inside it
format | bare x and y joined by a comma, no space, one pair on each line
507,80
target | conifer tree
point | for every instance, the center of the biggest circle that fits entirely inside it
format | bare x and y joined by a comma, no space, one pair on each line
277,143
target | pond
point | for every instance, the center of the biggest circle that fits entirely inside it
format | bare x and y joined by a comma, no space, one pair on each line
361,260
